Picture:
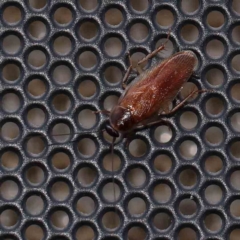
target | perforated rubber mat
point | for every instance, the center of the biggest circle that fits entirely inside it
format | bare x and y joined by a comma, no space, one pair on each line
61,60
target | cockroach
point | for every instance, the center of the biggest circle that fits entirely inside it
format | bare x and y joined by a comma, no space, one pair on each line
145,101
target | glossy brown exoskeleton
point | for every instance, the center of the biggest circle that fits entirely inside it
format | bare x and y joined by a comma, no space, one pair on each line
146,99
149,95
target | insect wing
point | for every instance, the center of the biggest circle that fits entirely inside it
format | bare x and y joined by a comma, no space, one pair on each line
152,91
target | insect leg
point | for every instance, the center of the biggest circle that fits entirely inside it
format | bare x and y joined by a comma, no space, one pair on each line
128,137
195,76
102,111
156,51
139,69
146,58
150,124
179,105
113,181
125,78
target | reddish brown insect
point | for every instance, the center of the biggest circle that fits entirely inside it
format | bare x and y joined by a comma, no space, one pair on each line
146,100
148,96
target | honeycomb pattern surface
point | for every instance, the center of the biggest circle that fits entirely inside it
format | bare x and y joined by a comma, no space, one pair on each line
60,60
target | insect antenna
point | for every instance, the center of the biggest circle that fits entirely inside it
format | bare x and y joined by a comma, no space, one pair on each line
62,135
113,181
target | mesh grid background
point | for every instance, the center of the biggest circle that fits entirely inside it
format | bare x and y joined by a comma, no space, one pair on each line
61,60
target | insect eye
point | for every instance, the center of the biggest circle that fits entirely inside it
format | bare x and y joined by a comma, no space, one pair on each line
111,131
